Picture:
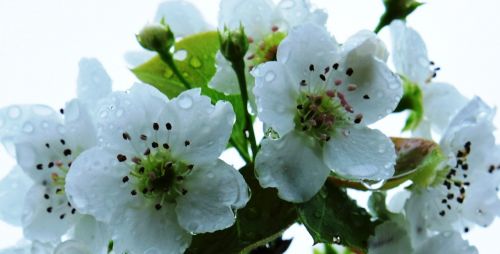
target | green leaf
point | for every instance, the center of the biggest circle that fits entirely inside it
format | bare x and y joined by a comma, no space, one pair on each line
331,216
412,100
396,9
197,68
262,220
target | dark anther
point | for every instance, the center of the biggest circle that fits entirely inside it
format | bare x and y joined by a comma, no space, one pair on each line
73,211
69,204
49,209
179,178
442,213
46,196
169,126
58,190
322,77
190,166
145,190
61,111
465,166
466,230
126,136
187,142
460,200
125,179
39,166
156,126
143,137
63,142
154,145
47,145
147,152
62,216
136,160
157,206
121,157
300,107
311,67
184,191
349,72
450,196
141,170
67,152
366,97
460,154
166,146
444,201
133,193
327,69
335,66
491,169
303,83
69,164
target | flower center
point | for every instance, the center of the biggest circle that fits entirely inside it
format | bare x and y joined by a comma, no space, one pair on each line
319,114
266,49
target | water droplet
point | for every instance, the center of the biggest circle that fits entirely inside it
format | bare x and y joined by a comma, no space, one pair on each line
210,175
195,62
270,76
379,95
393,85
373,185
180,55
185,74
184,101
336,239
45,124
28,127
41,110
103,114
287,4
168,73
119,112
14,112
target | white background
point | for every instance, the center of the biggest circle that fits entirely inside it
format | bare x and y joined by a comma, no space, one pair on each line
42,41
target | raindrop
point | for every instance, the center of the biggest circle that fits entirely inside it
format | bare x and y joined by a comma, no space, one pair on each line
45,124
185,101
270,76
14,112
373,185
41,110
119,112
336,239
103,114
168,73
393,85
28,127
287,4
195,62
180,55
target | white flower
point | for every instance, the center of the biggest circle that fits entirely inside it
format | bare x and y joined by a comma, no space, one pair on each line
319,97
441,101
155,176
466,190
266,24
45,145
392,237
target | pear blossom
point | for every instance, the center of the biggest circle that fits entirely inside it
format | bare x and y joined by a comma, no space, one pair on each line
411,61
45,144
266,24
466,189
319,97
155,176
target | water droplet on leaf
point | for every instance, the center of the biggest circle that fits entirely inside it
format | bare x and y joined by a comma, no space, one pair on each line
195,62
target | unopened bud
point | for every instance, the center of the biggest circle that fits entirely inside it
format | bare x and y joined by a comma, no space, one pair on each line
233,44
156,37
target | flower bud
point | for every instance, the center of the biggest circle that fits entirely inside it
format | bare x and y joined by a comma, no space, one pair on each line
156,37
233,44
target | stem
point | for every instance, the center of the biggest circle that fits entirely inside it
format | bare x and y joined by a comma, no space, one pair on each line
239,68
169,60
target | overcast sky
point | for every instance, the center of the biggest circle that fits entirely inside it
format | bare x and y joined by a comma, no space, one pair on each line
42,41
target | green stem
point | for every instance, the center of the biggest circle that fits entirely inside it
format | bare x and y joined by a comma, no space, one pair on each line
169,60
239,69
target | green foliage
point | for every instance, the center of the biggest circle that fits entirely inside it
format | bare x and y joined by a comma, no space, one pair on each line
412,100
197,68
262,220
333,217
396,9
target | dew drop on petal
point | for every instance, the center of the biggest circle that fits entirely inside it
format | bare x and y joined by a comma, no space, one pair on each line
393,85
287,4
45,124
103,114
184,101
14,112
119,112
270,76
195,62
168,73
373,185
28,127
180,55
41,110
336,240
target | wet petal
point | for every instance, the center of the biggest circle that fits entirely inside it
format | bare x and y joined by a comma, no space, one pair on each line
174,12
13,189
93,81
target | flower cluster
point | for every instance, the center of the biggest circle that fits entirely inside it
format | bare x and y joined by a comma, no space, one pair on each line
140,171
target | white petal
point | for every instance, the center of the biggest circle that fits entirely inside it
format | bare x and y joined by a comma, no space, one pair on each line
296,12
73,247
213,192
174,12
409,53
447,242
225,79
365,43
94,184
136,58
148,231
377,89
93,234
444,97
276,95
41,225
255,16
93,81
293,165
79,125
475,111
362,153
305,45
13,189
389,238
199,130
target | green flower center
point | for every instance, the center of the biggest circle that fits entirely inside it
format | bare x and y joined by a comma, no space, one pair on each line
266,49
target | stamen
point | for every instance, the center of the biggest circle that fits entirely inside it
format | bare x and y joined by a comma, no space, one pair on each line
311,67
169,126
126,136
121,157
349,72
352,87
335,66
156,126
